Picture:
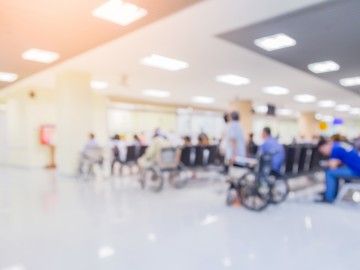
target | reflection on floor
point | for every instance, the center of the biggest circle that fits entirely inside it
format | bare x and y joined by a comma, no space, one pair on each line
52,223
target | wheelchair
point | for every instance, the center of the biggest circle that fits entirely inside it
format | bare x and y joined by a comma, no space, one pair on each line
89,160
258,186
166,167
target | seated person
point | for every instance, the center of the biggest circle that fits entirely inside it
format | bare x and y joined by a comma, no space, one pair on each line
344,163
149,158
203,139
92,152
187,141
273,147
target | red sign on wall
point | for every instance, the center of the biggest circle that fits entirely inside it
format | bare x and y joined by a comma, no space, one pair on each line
47,133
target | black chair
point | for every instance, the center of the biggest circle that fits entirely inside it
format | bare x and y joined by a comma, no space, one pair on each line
131,154
302,159
187,156
290,151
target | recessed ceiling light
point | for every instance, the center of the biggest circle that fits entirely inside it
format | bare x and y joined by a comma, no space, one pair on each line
355,111
326,103
41,56
325,118
163,62
99,85
353,81
275,42
261,109
276,90
343,108
305,98
203,100
232,79
322,67
156,93
105,252
284,112
119,12
8,77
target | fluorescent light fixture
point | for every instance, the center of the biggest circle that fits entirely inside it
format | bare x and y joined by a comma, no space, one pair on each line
323,67
232,79
156,93
99,85
261,109
355,111
8,77
305,98
325,118
276,90
41,56
284,112
105,252
203,100
163,62
343,108
353,81
275,42
119,12
326,103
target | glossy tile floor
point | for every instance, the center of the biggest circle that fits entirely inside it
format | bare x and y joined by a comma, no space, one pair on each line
52,223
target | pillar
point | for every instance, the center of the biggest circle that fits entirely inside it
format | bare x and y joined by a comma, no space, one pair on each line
244,107
308,125
79,112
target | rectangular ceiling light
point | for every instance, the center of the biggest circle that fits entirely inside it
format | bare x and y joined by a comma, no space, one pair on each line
343,108
119,12
99,85
232,79
323,67
8,77
203,100
41,56
275,42
156,93
276,90
353,81
305,98
326,103
163,62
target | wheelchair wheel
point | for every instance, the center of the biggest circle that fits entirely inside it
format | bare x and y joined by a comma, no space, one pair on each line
254,195
279,189
152,179
179,179
232,196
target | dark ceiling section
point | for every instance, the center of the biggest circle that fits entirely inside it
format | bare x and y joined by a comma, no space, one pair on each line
328,31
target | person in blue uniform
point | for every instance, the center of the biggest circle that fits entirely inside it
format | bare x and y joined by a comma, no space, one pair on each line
343,163
273,147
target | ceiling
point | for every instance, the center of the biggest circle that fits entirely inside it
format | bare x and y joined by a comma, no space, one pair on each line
328,31
191,35
63,26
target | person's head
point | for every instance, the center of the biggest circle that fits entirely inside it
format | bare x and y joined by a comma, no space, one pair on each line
116,137
91,136
187,140
136,137
234,116
325,147
226,117
266,133
251,136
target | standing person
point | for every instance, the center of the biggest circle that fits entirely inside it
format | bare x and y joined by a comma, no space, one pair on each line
344,163
273,147
118,152
251,147
235,142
